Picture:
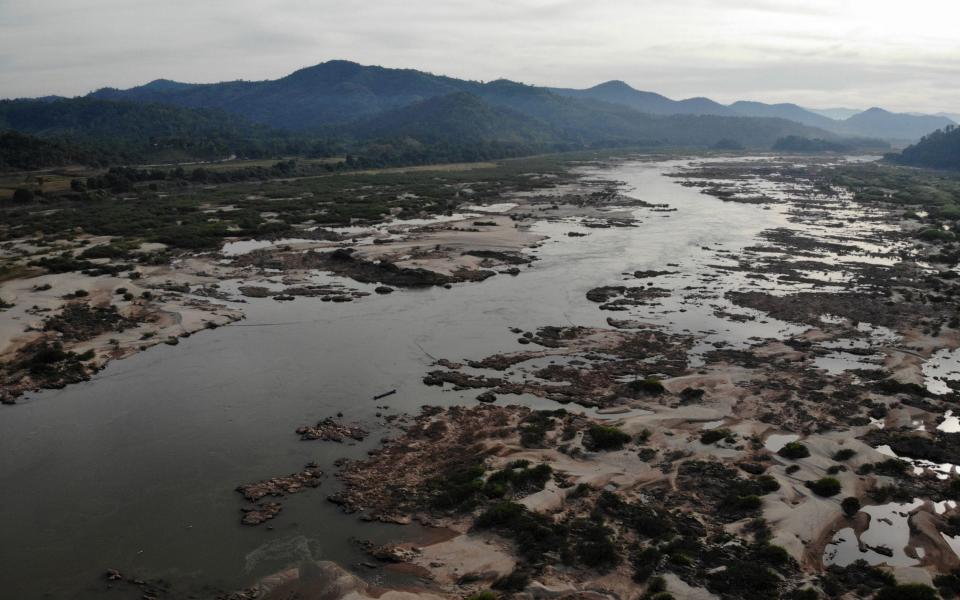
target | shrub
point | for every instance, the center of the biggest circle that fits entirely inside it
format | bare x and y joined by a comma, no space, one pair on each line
689,395
827,486
936,235
605,437
645,563
907,591
647,386
794,451
850,506
844,454
713,436
594,546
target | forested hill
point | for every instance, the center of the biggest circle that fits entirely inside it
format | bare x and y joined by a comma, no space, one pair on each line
939,150
97,132
333,92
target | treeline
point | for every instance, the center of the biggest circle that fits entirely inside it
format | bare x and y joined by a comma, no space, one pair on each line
795,143
98,133
25,152
123,179
939,150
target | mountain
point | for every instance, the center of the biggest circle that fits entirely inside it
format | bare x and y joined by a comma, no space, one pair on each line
520,113
939,150
329,93
837,114
618,92
455,117
340,93
893,126
783,111
955,117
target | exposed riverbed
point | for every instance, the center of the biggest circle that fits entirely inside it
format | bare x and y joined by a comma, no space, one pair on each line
136,469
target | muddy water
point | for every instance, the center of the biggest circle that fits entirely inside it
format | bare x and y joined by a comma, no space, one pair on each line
135,469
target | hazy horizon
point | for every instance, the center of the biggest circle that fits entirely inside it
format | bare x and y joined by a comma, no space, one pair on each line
813,53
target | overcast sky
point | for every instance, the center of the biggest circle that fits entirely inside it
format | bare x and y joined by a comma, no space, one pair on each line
857,53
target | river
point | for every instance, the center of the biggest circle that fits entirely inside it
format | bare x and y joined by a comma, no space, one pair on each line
135,469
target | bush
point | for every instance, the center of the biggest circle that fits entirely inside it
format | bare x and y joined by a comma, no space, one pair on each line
936,235
605,437
794,451
826,487
850,506
713,436
907,591
844,454
594,545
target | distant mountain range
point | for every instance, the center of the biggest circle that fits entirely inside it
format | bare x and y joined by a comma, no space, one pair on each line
339,92
350,105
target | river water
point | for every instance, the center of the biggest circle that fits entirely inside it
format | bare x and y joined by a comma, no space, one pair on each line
135,470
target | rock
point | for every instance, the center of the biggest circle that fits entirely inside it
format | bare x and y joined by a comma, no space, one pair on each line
394,553
487,397
254,291
752,468
383,289
308,478
113,575
260,513
332,431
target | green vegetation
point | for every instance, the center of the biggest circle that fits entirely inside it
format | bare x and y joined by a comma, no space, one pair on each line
826,486
936,192
844,454
582,541
939,150
794,451
794,143
517,479
534,427
465,487
712,436
907,591
859,578
168,206
605,438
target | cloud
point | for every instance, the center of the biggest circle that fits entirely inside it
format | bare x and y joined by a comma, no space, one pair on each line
860,52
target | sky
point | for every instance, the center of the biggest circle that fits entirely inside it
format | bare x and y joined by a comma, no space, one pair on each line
903,56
